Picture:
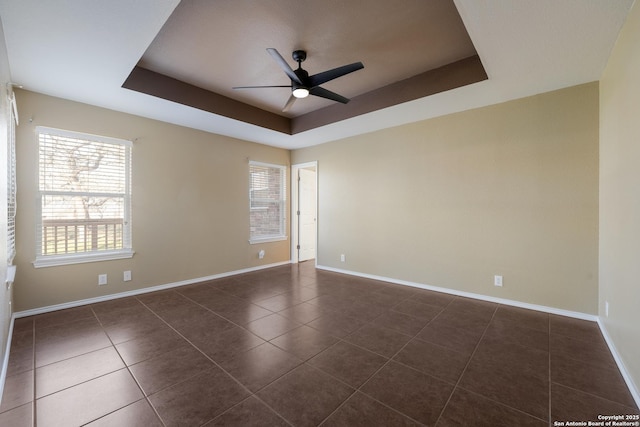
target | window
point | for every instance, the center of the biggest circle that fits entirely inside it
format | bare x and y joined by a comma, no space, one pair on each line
84,206
11,178
267,202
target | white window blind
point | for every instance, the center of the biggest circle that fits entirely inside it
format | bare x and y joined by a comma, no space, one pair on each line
84,209
267,202
11,179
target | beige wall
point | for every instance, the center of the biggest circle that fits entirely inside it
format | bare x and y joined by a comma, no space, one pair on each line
190,204
620,196
510,189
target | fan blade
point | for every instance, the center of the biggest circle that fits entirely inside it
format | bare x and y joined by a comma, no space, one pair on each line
324,93
284,65
289,103
318,79
257,87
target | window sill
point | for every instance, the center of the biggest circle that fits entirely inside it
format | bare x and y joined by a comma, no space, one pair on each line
267,239
56,260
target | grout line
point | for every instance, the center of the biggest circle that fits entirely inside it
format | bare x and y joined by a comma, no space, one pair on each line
467,364
595,395
622,368
244,400
389,359
144,395
219,366
34,413
497,402
549,345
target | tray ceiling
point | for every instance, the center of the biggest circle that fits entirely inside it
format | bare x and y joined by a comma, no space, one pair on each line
84,50
216,45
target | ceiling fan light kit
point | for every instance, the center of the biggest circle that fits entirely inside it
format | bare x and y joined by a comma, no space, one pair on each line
300,92
303,85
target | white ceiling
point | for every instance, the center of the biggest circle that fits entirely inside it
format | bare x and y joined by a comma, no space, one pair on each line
83,50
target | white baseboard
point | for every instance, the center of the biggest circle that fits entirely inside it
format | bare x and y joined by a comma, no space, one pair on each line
543,308
633,388
78,303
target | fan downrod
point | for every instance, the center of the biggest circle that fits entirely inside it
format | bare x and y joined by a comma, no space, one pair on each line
299,56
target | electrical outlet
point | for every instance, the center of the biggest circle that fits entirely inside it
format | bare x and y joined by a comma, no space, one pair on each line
126,276
497,280
261,254
102,279
342,258
606,308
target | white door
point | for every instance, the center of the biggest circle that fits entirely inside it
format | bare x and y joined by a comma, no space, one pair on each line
307,219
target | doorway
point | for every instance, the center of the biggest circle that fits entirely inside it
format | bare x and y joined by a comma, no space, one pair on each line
304,211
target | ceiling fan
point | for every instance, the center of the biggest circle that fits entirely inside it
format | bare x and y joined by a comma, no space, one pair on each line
302,84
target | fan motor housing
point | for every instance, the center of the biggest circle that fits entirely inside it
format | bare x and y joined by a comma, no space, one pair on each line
299,55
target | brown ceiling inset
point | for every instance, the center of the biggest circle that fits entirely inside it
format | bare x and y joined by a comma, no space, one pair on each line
161,86
460,73
207,47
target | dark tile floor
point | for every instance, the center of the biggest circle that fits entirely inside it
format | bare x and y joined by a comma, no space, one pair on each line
293,345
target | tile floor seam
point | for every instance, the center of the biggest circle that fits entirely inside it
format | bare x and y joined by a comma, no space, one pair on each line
592,395
392,330
467,365
144,395
253,396
611,367
338,379
501,404
389,360
117,409
422,372
373,351
202,352
371,322
155,411
74,356
439,313
225,318
440,346
182,380
191,377
236,324
80,383
330,374
304,362
550,384
185,338
87,381
218,365
416,317
344,402
389,407
33,402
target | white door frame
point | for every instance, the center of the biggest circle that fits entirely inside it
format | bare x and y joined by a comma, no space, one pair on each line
294,208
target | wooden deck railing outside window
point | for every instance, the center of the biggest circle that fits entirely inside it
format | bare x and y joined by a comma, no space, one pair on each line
68,236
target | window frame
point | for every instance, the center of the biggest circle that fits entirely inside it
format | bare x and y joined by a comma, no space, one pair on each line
282,203
11,175
126,251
